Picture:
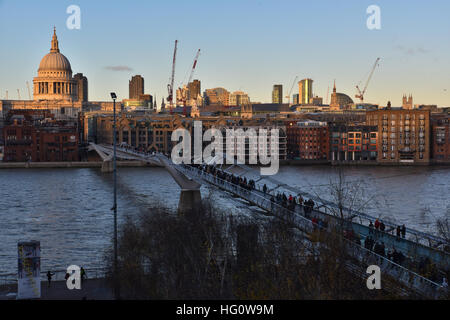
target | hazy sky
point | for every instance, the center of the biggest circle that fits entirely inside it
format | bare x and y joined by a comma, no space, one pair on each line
246,45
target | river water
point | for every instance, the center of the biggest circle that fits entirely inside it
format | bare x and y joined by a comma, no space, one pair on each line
68,210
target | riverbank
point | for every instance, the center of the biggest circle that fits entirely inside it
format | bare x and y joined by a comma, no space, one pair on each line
363,163
70,164
132,164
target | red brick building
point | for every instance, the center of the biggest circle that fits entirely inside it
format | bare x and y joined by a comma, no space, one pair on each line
308,140
353,142
33,136
440,137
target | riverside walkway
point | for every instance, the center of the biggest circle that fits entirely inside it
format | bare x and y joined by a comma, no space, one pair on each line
95,288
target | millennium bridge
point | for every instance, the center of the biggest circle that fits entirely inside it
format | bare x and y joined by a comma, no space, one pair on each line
417,245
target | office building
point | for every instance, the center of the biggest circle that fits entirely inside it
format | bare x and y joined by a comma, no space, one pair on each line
305,90
194,89
82,87
277,94
307,140
403,135
136,87
218,96
239,98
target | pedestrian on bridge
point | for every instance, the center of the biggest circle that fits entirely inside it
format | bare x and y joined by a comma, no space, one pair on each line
83,274
49,277
382,226
444,283
403,231
377,224
398,231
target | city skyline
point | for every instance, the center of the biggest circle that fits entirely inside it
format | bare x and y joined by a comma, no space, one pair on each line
412,59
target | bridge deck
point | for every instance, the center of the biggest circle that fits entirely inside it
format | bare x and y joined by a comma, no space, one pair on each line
409,247
409,278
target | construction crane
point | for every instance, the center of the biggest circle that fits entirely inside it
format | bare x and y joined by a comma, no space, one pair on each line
29,91
170,85
290,91
193,66
183,89
360,94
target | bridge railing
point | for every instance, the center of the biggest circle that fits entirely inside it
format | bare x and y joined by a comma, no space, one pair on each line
406,276
409,278
407,246
423,238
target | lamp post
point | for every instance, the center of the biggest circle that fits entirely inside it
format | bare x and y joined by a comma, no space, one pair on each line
114,208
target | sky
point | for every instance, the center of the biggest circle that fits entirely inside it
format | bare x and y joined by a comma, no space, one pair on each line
246,45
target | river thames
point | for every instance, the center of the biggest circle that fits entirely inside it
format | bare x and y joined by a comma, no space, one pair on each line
69,210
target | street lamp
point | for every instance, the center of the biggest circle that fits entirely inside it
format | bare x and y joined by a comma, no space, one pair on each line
116,286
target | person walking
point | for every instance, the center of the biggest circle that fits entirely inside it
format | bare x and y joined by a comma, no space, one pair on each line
49,277
403,231
377,224
82,274
398,231
444,282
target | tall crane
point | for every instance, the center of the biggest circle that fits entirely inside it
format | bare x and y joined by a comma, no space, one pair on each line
29,90
360,94
170,85
193,66
183,89
290,91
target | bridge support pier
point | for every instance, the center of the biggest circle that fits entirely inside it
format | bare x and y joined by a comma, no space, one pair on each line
107,166
190,202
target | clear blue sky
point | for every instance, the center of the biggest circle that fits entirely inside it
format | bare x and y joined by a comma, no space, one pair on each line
246,45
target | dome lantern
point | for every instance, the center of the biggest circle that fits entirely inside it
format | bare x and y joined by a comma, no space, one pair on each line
55,47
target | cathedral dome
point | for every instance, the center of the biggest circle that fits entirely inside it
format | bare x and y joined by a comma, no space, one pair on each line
55,63
54,80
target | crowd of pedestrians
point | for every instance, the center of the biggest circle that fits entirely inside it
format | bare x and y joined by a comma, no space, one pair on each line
222,176
380,226
279,199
